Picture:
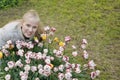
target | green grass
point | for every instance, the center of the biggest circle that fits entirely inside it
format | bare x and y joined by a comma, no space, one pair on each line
96,20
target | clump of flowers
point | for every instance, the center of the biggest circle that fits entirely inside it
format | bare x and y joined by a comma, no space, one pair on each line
46,60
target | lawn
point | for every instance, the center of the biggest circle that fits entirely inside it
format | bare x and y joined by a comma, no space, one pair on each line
96,20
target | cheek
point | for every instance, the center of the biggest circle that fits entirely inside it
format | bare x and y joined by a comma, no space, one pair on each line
34,30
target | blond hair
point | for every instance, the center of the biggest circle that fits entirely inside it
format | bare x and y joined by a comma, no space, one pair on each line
32,14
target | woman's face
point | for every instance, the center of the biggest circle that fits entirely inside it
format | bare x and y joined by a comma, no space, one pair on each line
29,28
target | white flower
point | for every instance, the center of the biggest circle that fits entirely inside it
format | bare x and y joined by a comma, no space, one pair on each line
61,48
11,64
24,77
28,61
47,68
45,51
55,69
68,65
74,79
37,79
77,70
73,46
75,53
44,56
30,45
18,63
68,76
6,46
40,71
61,67
27,67
9,42
33,68
51,58
84,41
39,55
8,77
55,51
85,66
83,46
51,33
21,73
97,72
85,55
6,69
20,52
47,28
40,44
47,61
40,66
61,76
59,54
28,55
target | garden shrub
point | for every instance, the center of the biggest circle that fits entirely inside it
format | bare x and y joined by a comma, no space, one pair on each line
9,3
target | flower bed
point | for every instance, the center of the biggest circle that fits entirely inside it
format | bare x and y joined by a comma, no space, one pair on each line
46,60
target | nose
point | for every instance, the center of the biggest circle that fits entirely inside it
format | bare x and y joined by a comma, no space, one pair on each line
30,29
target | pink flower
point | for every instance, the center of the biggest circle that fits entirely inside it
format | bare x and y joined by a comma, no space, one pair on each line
91,64
53,29
67,38
65,58
6,52
75,53
93,75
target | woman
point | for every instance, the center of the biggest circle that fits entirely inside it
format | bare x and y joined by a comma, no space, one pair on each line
24,29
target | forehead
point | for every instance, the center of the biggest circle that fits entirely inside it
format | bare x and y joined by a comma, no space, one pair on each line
32,22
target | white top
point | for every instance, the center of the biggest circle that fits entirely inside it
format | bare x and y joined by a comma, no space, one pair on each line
11,31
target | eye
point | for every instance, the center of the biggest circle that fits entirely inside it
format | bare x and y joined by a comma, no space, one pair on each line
28,25
34,27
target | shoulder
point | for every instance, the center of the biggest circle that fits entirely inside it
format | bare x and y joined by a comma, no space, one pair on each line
11,25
